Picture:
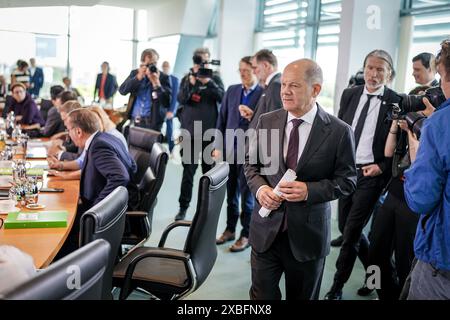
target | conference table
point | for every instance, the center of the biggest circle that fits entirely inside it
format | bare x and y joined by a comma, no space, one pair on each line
42,244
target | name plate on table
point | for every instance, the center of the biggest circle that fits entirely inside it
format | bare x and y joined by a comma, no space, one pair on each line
42,219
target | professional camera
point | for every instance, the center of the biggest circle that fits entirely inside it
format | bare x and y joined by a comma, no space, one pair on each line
415,122
357,79
412,103
202,71
152,68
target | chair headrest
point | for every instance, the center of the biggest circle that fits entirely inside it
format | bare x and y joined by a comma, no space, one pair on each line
106,212
143,138
218,175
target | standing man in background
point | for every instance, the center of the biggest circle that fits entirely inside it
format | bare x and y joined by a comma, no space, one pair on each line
424,69
150,93
36,79
105,85
265,67
245,94
174,83
199,98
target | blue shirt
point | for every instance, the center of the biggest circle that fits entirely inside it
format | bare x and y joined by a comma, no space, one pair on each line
427,190
143,103
115,133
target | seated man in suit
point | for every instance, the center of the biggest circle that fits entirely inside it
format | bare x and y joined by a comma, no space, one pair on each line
107,165
49,111
295,238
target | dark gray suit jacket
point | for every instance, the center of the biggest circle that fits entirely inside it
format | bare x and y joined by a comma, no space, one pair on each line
53,124
270,99
327,166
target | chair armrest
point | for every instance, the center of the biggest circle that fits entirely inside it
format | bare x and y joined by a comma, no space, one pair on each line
147,253
142,214
180,223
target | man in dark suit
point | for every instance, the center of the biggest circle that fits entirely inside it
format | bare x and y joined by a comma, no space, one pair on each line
53,121
265,66
107,165
150,93
105,85
365,108
424,69
243,95
174,83
295,238
36,79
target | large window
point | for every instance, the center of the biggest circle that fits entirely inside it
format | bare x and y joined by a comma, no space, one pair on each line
35,32
431,26
96,37
304,28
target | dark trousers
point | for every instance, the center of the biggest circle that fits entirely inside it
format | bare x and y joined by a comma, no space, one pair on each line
237,186
189,167
394,229
302,279
169,134
429,283
357,209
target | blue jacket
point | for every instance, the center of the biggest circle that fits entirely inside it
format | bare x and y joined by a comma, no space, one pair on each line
174,83
38,80
229,115
106,166
427,190
111,85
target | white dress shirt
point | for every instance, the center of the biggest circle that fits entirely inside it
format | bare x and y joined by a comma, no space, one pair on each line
88,141
364,152
270,77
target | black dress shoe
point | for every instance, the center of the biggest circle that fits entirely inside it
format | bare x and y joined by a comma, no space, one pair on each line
335,292
333,295
181,215
337,242
364,291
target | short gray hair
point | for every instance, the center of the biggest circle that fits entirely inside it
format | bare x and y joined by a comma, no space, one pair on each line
313,73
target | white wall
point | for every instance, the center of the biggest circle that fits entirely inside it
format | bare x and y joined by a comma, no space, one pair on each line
236,36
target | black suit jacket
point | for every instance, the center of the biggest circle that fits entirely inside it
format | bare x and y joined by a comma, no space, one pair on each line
270,99
349,103
327,166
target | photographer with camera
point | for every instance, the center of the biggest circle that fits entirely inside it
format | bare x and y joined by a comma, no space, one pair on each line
394,225
150,93
427,192
201,92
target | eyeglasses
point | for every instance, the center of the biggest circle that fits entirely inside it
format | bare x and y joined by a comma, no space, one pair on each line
18,92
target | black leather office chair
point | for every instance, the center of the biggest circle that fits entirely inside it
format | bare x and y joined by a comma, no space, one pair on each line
172,274
151,159
85,267
106,220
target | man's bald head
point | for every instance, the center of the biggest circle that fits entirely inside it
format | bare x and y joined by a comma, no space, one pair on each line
301,83
311,71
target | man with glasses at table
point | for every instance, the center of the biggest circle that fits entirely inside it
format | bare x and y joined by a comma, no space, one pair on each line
107,165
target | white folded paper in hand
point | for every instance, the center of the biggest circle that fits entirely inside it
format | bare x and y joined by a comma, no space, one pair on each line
289,176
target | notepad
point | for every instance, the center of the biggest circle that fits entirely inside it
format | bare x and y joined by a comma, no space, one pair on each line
42,219
37,153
